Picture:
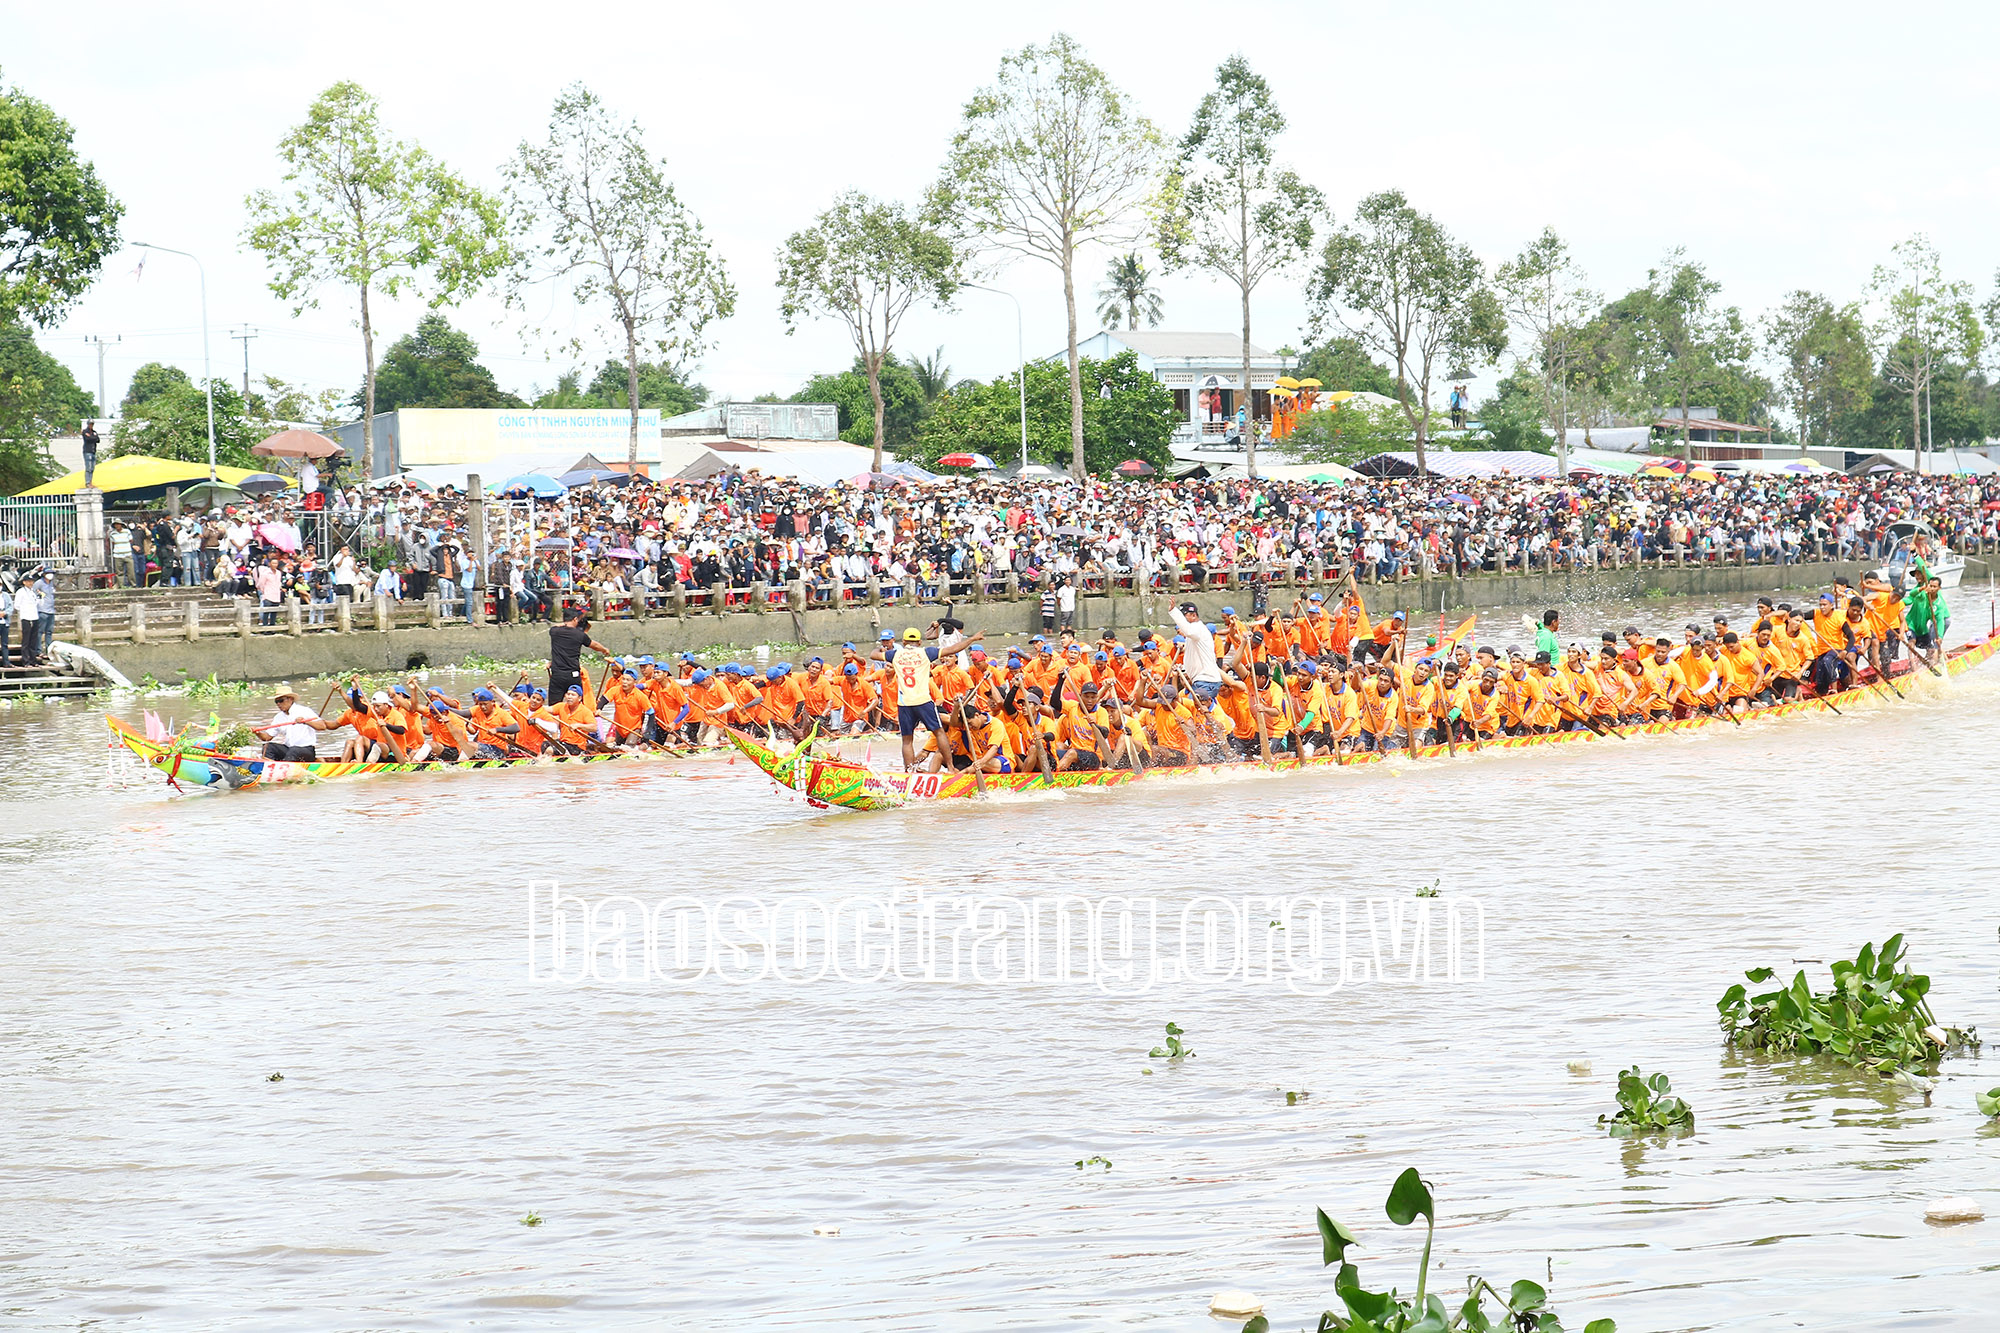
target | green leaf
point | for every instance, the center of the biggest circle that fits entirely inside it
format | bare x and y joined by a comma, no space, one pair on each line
1369,1305
1434,1321
1601,1326
1333,1239
1989,1102
1409,1199
1258,1325
1525,1296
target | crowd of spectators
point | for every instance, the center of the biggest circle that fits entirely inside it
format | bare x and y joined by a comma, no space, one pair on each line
759,536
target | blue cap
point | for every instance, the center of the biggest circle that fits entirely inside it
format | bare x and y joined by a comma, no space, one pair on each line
1210,627
1178,639
483,695
687,657
1099,657
851,669
731,669
775,673
1119,651
1308,669
1014,657
811,660
523,688
1315,598
539,692
885,634
847,647
700,675
577,690
1039,638
400,689
631,674
437,706
1228,610
647,661
1045,646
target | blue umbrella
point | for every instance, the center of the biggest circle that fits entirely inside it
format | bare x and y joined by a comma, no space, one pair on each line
1462,498
586,476
538,484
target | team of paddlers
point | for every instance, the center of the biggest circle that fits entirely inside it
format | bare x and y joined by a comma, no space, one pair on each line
1313,679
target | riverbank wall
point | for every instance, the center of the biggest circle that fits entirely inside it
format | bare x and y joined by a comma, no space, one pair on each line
293,648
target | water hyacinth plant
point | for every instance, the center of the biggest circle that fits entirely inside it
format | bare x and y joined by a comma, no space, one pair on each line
1523,1308
1875,1015
1173,1050
1647,1105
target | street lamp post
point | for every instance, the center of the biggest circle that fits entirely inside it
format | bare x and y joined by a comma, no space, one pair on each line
1020,350
207,388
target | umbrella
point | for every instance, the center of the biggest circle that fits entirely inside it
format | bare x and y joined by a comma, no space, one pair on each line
1882,467
538,484
1037,470
1309,384
211,494
980,461
297,444
623,553
1657,470
277,536
1135,467
1324,477
590,476
264,483
1805,465
1460,497
400,479
1702,474
552,544
1286,382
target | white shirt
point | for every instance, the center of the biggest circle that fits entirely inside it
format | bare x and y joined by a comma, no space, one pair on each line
1198,653
25,603
288,723
913,676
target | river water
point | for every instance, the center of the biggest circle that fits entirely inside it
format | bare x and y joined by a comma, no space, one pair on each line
680,1142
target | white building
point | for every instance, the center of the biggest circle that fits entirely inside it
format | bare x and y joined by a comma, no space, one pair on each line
1204,371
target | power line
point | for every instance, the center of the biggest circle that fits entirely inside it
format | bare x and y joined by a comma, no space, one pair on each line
244,338
103,403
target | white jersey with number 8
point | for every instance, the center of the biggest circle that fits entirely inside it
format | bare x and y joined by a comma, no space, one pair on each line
913,677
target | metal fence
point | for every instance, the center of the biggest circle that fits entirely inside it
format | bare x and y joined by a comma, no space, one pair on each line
39,530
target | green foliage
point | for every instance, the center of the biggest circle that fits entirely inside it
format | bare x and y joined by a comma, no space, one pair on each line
1923,323
39,400
1989,1101
904,407
597,217
435,366
1349,432
57,221
866,262
1646,1105
1173,1050
365,211
1135,420
531,1219
1409,291
1514,418
1828,371
1523,1308
1875,1014
170,420
1683,348
1127,294
1104,1162
1343,363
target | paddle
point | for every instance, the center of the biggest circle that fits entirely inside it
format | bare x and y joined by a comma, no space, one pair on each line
971,750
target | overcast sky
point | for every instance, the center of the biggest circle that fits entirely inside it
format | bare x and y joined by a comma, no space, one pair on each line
1783,145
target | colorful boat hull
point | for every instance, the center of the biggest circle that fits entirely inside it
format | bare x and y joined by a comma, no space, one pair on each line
828,781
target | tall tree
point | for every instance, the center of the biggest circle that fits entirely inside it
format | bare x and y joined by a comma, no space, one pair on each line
1544,294
1826,366
57,221
1230,208
1923,321
1681,339
933,375
1050,157
367,211
598,214
1129,415
904,405
39,400
866,263
1128,295
1402,286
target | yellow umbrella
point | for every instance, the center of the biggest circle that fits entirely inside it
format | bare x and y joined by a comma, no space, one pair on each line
1283,393
137,472
1314,384
1657,470
1286,382
1699,473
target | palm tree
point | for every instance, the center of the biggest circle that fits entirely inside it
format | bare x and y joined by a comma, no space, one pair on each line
1128,293
932,374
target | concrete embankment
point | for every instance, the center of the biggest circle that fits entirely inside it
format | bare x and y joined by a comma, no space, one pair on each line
275,654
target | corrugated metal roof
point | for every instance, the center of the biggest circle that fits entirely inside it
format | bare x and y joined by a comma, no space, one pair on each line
1199,346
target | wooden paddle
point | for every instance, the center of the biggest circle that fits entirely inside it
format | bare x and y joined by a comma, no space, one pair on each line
971,750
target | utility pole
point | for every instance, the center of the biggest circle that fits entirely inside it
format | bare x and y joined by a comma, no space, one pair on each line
244,338
103,407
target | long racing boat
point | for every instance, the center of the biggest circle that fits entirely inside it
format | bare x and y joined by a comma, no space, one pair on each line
828,780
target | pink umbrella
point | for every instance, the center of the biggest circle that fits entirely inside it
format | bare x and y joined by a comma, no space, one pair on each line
297,444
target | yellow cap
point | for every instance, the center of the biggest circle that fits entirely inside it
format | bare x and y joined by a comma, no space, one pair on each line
913,636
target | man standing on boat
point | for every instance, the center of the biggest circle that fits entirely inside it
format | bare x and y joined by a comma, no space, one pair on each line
1198,654
566,644
912,670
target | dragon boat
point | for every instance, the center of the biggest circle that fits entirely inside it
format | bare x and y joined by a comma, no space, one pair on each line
188,764
827,780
